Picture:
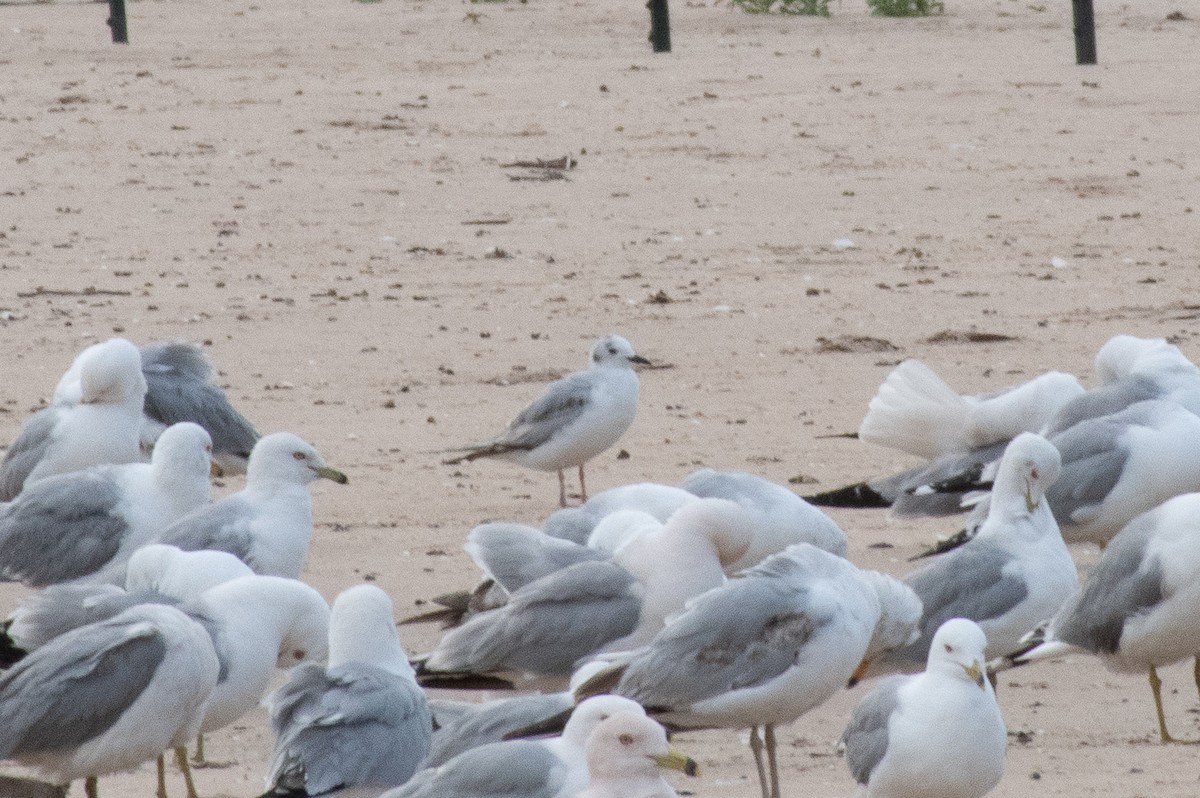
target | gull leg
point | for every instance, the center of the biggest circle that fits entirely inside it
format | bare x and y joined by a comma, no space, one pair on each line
91,787
562,489
582,486
1156,688
161,764
1196,673
181,759
198,759
772,762
756,748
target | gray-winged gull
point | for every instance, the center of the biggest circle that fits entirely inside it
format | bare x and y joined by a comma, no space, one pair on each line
109,696
268,524
70,526
937,734
360,720
1011,576
1139,608
590,606
625,758
577,418
462,725
768,646
551,768
101,426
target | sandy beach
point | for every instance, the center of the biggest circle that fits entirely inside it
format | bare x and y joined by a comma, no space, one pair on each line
327,195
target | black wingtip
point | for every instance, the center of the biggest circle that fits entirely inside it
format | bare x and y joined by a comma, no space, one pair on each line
859,495
10,652
944,545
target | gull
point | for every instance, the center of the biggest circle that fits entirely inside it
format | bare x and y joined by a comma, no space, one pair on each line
552,768
1138,607
764,648
155,574
937,734
780,517
624,756
179,387
577,418
108,696
69,526
596,605
462,725
100,426
1012,575
361,720
915,411
577,523
267,524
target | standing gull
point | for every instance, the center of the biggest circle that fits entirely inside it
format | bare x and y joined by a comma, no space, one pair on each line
937,734
109,696
1011,576
360,721
765,648
1140,605
577,417
100,426
70,526
267,524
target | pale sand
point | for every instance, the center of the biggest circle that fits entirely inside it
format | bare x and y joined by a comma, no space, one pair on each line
301,184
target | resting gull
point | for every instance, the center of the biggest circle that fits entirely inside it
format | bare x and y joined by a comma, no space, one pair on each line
70,526
1011,576
937,734
625,755
552,768
362,720
268,524
577,417
101,426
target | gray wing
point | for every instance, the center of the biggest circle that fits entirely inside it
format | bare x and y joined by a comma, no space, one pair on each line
515,555
63,527
967,582
58,609
26,451
179,388
474,725
562,403
1121,586
866,737
355,725
939,487
76,687
740,635
547,625
1103,401
221,526
516,769
1093,457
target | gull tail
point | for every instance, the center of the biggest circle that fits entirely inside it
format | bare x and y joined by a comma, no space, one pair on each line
915,411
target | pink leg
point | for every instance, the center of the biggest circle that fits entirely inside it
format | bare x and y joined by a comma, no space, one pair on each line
582,486
562,489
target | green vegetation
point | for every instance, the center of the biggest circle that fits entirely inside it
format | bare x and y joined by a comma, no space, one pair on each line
906,8
811,8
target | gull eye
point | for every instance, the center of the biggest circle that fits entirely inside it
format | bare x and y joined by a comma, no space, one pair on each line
300,455
1033,472
298,654
949,648
626,739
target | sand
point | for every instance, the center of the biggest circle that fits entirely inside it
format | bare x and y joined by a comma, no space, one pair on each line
777,212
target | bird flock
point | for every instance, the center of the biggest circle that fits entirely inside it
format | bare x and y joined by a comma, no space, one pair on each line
156,615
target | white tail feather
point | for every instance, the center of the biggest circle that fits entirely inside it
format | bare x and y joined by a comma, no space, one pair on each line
915,411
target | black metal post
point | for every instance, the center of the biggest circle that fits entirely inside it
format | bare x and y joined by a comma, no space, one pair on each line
116,21
1085,32
660,26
